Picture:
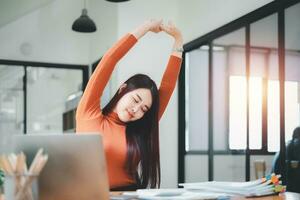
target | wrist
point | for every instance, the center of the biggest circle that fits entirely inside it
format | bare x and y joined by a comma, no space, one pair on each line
140,31
178,49
178,41
178,44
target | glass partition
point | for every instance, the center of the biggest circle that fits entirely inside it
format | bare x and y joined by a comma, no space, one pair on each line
11,99
292,97
264,107
264,84
229,97
292,70
196,88
51,92
229,106
241,102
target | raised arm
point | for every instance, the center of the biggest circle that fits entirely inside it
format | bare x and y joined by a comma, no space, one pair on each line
171,73
89,105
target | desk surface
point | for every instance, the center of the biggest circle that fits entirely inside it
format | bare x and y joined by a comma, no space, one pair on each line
284,196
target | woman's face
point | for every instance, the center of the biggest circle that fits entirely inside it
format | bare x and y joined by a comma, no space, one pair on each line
133,105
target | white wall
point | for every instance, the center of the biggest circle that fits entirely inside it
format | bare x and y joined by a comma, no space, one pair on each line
46,33
105,15
11,10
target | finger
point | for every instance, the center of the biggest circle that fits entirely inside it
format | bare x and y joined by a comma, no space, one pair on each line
162,27
156,30
158,23
165,29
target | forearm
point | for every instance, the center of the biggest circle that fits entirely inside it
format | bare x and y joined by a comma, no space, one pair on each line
178,44
140,31
170,76
89,105
168,82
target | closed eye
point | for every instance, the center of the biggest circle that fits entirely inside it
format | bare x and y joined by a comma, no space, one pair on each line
135,100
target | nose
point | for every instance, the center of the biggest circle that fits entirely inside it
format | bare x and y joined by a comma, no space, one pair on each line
134,109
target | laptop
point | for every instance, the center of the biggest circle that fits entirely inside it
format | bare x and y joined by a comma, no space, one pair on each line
76,167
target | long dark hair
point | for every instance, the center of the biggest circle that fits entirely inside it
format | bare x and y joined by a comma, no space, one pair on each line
141,135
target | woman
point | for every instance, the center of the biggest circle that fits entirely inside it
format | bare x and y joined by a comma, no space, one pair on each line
129,122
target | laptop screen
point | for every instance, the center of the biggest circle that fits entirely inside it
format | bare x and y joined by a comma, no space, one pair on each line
76,167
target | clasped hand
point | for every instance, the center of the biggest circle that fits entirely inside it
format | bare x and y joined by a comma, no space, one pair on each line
157,26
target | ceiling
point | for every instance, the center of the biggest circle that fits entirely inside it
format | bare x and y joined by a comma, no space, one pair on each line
11,10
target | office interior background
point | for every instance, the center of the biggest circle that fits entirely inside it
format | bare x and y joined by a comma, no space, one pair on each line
224,114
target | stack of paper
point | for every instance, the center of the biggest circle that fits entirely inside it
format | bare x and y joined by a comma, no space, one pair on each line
211,190
265,186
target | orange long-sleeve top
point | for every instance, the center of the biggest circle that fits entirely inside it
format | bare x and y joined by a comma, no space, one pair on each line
89,117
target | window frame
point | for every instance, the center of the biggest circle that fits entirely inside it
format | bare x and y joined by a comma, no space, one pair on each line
277,6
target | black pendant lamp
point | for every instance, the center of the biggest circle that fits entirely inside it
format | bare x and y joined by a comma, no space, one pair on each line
84,24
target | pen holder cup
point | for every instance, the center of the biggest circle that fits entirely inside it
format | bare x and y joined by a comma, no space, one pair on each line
21,187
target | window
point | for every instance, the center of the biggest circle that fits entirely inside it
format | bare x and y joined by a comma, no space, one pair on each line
273,115
237,112
255,113
238,115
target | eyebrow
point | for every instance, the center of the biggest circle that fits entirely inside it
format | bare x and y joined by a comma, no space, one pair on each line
142,100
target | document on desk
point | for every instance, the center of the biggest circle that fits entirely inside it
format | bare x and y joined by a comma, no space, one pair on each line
174,194
265,186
